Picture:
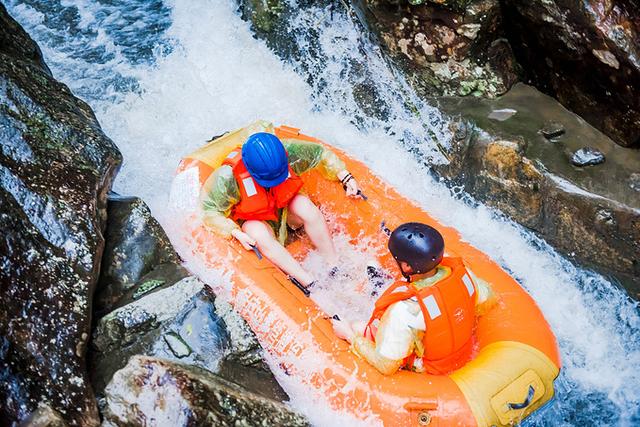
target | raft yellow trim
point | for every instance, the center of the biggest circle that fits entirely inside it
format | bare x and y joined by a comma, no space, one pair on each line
215,151
509,367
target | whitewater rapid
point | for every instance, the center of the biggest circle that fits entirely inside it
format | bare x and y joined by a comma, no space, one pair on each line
163,77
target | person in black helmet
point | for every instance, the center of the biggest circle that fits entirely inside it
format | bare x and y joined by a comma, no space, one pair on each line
424,322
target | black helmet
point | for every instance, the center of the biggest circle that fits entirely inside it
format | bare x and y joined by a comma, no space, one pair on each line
417,244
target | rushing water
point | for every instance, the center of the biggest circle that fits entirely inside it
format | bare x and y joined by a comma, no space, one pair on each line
163,77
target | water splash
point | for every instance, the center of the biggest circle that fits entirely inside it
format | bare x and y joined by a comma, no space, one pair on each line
184,71
95,47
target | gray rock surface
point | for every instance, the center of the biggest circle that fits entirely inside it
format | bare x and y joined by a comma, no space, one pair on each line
43,416
16,43
592,214
56,167
445,47
138,256
140,328
151,391
552,129
183,323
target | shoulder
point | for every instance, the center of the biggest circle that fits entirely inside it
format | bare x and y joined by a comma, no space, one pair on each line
300,147
220,180
407,313
223,172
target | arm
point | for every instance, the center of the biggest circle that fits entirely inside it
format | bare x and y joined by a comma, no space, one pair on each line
217,197
366,349
486,297
304,156
398,335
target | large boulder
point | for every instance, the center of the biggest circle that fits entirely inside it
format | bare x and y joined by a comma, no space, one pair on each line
56,167
187,323
151,391
137,254
586,54
445,47
16,43
516,155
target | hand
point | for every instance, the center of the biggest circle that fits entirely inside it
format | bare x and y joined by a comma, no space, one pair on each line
352,188
245,240
349,183
343,330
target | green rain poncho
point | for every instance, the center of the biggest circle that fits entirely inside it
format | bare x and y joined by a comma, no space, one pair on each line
220,192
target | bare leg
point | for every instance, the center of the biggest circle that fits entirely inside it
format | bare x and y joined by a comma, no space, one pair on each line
303,211
274,251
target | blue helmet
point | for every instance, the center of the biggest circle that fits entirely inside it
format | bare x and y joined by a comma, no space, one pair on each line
266,159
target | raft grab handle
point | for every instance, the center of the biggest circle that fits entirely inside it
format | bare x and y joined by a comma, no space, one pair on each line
430,405
421,411
527,400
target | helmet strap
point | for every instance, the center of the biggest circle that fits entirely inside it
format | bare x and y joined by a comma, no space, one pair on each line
405,275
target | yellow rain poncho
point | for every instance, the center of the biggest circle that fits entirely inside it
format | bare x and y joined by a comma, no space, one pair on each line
220,192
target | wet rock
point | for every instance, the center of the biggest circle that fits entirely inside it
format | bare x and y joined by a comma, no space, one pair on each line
502,115
587,156
600,232
364,94
183,323
138,256
605,217
161,277
470,31
552,130
159,324
16,43
160,392
586,55
445,47
590,214
264,14
634,181
56,167
245,363
44,416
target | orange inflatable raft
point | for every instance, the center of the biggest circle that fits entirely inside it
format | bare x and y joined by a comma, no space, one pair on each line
516,358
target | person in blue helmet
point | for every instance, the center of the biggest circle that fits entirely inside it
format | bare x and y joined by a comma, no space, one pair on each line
255,195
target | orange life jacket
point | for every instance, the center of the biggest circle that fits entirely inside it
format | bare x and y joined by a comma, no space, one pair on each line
257,202
448,308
